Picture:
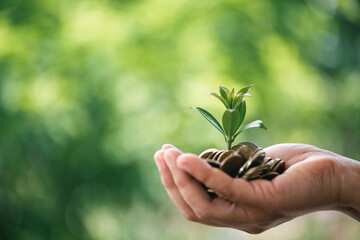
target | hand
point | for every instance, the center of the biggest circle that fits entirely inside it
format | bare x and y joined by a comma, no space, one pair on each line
314,179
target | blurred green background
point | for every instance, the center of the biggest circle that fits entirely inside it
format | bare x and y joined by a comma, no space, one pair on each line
89,90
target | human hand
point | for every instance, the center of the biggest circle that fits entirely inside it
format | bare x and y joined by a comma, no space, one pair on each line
314,179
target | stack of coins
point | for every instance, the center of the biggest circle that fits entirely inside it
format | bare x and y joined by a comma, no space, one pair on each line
245,160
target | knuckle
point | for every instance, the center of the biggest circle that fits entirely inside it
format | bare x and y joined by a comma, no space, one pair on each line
229,192
168,184
205,178
265,195
226,194
331,168
181,184
190,216
202,214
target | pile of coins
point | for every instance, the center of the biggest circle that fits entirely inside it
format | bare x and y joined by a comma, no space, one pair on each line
245,160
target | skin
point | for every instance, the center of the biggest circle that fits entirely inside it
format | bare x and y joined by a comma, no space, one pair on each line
314,180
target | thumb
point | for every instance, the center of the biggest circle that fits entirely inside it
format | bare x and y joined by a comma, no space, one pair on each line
233,189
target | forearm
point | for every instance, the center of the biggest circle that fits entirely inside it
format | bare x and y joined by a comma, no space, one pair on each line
350,188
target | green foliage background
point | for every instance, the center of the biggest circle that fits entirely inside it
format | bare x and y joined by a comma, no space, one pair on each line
89,90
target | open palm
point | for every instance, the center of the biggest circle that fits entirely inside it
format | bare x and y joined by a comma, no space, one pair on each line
311,182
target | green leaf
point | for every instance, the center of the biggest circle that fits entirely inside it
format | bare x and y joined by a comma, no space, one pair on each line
220,98
225,89
238,98
231,122
254,124
245,89
232,93
231,98
242,110
211,119
224,93
237,101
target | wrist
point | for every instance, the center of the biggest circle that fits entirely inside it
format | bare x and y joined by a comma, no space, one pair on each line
349,199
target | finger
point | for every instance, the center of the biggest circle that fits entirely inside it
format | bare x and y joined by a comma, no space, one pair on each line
216,211
173,192
235,190
181,179
167,146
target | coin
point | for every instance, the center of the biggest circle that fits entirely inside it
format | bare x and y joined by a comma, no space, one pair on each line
244,160
245,151
269,163
278,166
213,163
225,154
269,175
216,156
251,145
211,193
256,171
207,152
267,159
212,154
255,160
232,164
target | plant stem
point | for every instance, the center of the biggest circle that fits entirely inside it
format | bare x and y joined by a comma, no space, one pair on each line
229,144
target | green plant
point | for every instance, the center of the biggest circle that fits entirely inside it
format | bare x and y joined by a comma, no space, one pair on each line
234,114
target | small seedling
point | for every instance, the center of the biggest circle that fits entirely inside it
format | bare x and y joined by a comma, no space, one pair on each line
244,160
234,114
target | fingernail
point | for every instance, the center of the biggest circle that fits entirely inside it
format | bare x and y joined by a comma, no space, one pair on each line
159,164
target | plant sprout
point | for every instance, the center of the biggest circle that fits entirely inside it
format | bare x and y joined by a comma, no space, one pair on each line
234,114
